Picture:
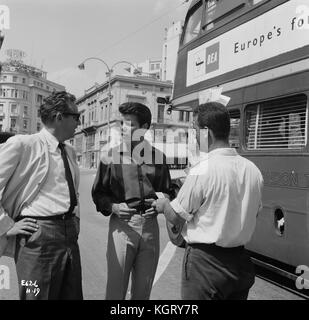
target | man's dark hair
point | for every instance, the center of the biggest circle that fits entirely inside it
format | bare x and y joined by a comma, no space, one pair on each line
5,135
141,111
56,102
214,116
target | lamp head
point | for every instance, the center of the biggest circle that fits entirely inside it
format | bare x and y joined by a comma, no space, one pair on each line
81,66
169,110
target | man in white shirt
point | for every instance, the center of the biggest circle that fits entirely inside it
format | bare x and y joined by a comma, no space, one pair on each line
217,205
39,216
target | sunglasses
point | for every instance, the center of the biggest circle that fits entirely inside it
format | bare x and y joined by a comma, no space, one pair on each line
76,116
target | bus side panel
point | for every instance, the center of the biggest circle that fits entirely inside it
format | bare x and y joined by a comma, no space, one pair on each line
286,190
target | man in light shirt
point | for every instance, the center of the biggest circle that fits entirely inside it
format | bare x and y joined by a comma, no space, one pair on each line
39,217
217,205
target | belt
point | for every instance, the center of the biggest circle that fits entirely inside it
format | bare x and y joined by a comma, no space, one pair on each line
214,246
63,216
139,212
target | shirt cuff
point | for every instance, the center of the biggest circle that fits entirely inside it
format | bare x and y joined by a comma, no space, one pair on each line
180,210
6,223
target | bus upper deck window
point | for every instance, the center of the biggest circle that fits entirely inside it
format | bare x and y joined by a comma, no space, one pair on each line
193,24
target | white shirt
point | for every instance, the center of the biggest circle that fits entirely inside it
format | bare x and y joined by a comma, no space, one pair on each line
220,199
54,197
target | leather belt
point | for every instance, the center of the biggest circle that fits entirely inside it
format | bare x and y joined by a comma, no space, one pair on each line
140,212
214,246
63,216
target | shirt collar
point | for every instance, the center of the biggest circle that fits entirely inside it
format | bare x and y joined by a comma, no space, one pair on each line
51,140
217,152
223,152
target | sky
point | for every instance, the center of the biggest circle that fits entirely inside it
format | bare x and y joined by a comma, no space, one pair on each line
60,34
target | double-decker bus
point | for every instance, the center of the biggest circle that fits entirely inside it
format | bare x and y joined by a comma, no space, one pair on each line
257,51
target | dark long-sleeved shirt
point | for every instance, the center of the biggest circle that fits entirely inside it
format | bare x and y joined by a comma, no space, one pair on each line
131,178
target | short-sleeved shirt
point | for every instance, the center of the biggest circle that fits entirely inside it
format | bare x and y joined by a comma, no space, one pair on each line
220,199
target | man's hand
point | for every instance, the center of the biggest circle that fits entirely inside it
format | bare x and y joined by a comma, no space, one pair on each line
151,212
122,210
26,226
159,204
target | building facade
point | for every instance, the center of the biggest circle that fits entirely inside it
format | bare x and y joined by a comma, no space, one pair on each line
100,115
151,68
170,50
22,90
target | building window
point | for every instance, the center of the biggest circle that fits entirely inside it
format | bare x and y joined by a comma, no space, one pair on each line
47,87
39,98
136,86
181,115
161,89
4,78
161,113
38,113
38,126
14,78
14,108
24,80
183,136
1,107
25,111
83,119
25,124
187,116
158,66
152,67
13,123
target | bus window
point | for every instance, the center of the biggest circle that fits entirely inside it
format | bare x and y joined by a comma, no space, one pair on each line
234,133
277,124
193,23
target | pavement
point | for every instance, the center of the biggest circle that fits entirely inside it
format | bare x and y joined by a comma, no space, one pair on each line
93,243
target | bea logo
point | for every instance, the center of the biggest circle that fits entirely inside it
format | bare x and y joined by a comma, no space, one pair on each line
212,57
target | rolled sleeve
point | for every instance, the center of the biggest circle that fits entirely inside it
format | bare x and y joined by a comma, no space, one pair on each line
180,210
190,197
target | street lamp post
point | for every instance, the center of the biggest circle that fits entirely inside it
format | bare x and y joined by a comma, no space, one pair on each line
109,77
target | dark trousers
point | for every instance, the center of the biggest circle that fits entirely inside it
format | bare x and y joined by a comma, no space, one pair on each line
48,262
210,272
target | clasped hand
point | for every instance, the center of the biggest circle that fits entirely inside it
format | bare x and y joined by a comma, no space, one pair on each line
123,211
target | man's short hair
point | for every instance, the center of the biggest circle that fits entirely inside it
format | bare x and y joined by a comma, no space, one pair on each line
56,102
214,116
141,112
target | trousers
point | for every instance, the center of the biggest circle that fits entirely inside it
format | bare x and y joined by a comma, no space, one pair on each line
48,262
133,248
210,272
